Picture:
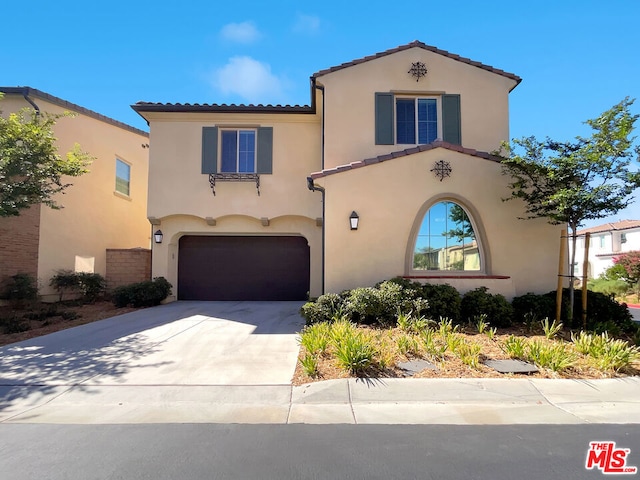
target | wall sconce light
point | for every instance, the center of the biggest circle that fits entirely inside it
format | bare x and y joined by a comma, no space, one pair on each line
158,236
353,220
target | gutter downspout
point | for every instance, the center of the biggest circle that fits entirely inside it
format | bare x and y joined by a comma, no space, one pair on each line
25,94
321,88
315,188
310,184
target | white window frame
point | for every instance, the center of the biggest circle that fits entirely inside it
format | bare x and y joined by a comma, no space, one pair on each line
255,148
415,98
128,180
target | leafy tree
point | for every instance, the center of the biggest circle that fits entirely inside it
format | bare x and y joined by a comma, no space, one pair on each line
630,262
31,170
570,182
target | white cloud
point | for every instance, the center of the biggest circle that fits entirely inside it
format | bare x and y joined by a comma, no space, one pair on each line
245,32
249,79
307,24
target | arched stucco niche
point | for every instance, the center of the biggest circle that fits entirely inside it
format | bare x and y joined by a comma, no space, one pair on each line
475,221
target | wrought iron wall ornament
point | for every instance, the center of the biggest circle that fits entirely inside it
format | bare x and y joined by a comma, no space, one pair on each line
233,177
442,169
418,70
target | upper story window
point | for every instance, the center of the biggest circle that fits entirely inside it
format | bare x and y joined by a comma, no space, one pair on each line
446,240
123,177
238,151
416,120
402,120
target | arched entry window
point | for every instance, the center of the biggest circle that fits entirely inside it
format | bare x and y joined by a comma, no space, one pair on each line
446,240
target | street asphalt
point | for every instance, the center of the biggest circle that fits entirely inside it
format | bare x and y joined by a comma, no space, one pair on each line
232,362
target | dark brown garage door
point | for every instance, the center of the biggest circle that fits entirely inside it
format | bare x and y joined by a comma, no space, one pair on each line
243,268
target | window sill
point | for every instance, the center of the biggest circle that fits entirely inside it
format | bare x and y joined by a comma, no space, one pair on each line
122,195
481,276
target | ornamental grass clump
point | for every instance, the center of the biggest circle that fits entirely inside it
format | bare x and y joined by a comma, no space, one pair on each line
354,352
469,353
515,347
554,356
606,353
310,365
315,338
408,345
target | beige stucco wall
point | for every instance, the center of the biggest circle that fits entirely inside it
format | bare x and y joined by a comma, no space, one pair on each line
94,217
350,112
391,199
180,196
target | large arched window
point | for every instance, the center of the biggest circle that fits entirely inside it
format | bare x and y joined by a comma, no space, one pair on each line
446,240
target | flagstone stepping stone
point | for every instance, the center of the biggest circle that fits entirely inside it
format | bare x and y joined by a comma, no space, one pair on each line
414,366
511,366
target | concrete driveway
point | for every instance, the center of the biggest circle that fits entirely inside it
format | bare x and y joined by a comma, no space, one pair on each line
187,344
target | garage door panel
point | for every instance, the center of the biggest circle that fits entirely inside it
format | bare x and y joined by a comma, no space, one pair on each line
243,268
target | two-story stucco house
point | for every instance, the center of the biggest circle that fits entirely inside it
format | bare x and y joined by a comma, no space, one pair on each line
103,209
607,241
385,173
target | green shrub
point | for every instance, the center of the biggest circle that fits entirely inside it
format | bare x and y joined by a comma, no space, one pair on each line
608,287
92,286
65,282
369,305
443,301
21,289
323,309
476,302
142,294
533,307
13,324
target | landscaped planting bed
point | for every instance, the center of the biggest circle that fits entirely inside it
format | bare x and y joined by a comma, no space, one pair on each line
355,334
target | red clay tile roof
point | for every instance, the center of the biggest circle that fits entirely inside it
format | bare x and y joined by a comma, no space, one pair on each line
418,44
70,106
404,153
221,108
610,227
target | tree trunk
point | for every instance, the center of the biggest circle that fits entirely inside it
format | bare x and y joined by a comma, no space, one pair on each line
572,261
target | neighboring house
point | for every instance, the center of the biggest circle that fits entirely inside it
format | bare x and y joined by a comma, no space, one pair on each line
103,209
257,202
607,241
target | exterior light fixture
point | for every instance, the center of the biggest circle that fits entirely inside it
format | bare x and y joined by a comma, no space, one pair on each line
158,236
353,220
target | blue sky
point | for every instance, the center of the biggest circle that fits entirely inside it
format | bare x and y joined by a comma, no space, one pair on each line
576,58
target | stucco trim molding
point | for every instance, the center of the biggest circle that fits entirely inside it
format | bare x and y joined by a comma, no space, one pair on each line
478,228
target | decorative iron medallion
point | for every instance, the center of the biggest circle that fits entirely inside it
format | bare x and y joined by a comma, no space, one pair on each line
441,169
418,70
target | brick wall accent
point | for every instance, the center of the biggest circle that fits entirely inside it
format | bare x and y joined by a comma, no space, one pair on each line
126,266
19,239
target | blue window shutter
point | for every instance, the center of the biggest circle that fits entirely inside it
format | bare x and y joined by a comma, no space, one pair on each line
451,131
209,149
265,150
384,119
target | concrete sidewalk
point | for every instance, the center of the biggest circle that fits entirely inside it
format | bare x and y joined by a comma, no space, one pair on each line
346,401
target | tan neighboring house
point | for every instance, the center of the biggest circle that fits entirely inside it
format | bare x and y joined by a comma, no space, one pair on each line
103,209
385,173
607,241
